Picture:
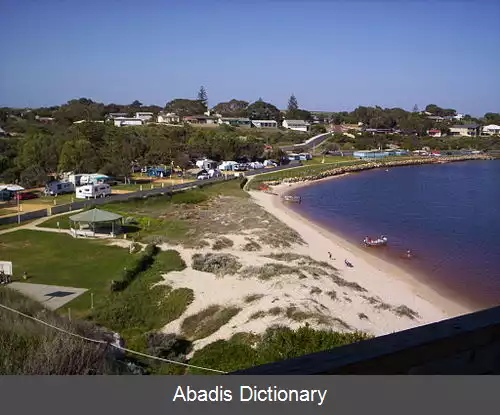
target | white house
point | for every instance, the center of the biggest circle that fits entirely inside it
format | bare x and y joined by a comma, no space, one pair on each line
264,124
296,125
144,116
124,121
491,129
113,115
168,118
82,121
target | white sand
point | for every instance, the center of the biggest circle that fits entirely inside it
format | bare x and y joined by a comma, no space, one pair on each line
381,280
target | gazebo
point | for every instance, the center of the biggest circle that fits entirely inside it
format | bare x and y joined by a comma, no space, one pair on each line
95,222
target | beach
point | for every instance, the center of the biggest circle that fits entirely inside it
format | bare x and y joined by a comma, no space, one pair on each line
300,284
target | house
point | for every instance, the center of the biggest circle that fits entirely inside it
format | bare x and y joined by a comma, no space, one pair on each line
206,164
264,124
296,125
235,122
437,118
471,130
144,116
168,118
113,115
44,120
82,121
434,133
125,121
491,129
200,119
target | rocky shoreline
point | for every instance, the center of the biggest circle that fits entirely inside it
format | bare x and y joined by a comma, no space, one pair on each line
375,165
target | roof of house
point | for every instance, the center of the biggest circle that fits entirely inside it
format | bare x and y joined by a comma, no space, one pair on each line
465,126
265,121
235,119
302,122
95,216
490,126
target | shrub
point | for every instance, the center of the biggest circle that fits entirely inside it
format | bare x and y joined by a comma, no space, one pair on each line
142,263
222,243
219,264
243,182
252,246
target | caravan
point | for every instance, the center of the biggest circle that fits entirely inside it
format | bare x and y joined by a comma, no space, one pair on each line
59,188
93,191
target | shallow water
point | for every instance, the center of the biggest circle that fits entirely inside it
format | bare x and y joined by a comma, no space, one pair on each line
447,214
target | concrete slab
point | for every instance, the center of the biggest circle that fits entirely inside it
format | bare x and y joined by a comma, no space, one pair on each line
51,296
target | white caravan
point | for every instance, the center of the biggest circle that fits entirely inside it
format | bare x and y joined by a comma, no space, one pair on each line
59,188
91,191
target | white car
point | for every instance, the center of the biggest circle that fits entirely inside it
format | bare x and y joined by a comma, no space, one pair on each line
203,176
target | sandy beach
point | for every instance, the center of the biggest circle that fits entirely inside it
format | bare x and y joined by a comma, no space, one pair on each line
300,284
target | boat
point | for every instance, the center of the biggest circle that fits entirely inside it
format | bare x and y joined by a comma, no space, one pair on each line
382,240
296,199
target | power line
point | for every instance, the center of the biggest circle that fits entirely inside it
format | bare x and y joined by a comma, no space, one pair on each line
108,343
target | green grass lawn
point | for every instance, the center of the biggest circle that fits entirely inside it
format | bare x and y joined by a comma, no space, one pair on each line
328,159
59,259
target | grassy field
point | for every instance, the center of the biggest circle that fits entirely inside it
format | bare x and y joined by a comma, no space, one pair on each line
59,259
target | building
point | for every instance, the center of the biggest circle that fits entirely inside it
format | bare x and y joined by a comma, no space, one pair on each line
296,125
82,121
144,116
471,130
200,119
434,133
125,121
44,120
491,129
264,124
113,115
375,154
235,122
168,118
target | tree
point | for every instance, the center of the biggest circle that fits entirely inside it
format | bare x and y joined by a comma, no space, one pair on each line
293,105
202,96
184,107
261,110
492,118
136,104
233,108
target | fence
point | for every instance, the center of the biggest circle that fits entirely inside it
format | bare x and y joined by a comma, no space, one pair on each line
36,214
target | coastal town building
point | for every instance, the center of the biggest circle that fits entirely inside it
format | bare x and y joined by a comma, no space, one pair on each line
113,115
471,130
82,121
264,124
434,133
126,121
168,118
44,120
200,119
144,116
491,129
296,125
235,122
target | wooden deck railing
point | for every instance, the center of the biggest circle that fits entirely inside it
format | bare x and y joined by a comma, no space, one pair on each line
469,344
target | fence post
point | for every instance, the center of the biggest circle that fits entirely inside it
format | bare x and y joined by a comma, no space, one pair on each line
69,314
91,300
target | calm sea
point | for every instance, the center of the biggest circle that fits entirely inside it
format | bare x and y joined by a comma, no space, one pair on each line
447,214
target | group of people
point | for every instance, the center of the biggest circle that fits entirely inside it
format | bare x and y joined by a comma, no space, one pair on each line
346,262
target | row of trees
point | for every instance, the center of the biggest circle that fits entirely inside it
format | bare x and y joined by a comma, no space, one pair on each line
91,147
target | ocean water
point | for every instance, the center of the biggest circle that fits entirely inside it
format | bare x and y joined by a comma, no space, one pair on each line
447,214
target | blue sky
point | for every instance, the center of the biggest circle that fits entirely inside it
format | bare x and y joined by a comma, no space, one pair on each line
334,55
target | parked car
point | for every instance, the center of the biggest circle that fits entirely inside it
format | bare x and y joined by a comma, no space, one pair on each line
203,176
27,195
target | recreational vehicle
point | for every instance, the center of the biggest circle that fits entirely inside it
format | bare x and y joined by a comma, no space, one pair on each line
59,188
90,191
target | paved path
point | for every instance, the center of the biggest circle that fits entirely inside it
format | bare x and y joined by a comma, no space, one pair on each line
51,296
33,225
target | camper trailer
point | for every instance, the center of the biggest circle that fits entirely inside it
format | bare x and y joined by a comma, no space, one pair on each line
93,178
59,188
91,191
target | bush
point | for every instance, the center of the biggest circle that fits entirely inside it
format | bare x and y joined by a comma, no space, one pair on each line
216,263
208,321
142,263
243,182
221,243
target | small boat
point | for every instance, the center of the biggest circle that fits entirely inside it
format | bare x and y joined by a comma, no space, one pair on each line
288,198
382,240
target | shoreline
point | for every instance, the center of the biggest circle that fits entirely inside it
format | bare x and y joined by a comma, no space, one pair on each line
386,279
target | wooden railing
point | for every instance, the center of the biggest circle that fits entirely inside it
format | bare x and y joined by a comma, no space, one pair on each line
465,345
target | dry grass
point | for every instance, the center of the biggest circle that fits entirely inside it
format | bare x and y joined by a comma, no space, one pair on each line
302,260
404,311
316,290
251,246
207,322
362,316
219,264
332,294
271,270
341,282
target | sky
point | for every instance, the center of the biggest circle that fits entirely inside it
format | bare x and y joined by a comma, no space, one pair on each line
333,55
